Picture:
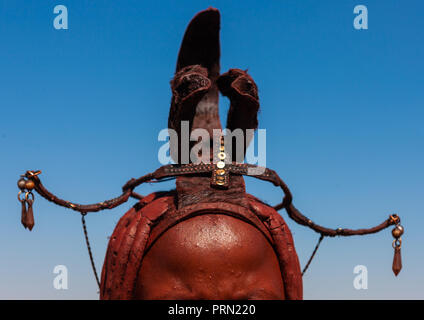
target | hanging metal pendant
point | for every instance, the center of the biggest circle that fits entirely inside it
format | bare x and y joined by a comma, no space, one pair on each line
23,209
397,261
397,232
26,185
30,215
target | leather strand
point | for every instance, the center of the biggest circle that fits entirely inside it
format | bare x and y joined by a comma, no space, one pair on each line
170,171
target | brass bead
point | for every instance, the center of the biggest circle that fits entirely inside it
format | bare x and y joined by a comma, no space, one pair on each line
221,155
220,172
29,185
21,183
397,232
220,183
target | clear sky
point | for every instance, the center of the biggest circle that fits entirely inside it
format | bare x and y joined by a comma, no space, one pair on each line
343,109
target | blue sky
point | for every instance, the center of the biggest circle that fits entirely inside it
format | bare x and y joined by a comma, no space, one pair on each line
343,110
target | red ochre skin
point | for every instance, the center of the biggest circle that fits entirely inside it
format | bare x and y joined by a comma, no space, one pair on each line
212,250
212,256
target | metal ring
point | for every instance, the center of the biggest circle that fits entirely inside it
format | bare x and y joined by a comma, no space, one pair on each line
397,243
19,197
394,218
29,193
32,173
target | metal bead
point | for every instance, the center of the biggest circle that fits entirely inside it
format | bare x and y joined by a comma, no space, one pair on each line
21,183
29,185
220,164
397,232
220,172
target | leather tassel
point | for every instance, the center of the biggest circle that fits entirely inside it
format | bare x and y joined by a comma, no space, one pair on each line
30,215
23,214
397,261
